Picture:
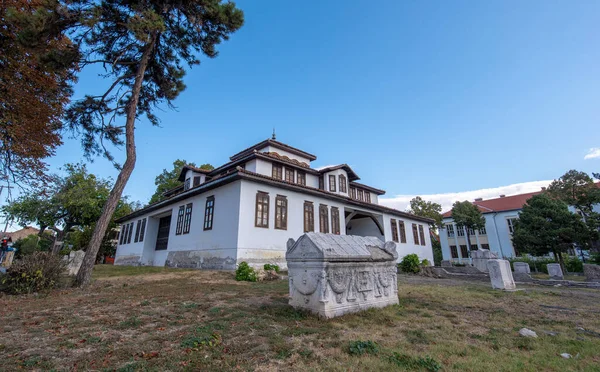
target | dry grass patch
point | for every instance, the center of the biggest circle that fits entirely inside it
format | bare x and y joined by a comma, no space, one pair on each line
155,319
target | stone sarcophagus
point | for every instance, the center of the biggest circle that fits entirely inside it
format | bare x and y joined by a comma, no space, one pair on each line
332,275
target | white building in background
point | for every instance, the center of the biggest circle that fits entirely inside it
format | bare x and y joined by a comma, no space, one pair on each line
247,209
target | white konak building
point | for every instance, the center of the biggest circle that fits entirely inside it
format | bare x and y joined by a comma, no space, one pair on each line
247,209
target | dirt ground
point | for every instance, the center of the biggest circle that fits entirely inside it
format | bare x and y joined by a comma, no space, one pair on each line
138,319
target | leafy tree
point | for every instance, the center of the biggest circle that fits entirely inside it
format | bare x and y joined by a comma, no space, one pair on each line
579,190
423,208
169,179
36,73
143,46
546,225
33,243
467,215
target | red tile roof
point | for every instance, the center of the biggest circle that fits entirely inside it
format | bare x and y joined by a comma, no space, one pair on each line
507,203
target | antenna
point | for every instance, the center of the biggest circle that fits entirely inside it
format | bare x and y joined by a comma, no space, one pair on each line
274,137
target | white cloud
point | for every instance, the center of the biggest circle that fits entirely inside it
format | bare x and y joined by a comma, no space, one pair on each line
402,202
592,154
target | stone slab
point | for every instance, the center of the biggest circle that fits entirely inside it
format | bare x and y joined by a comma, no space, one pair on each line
555,272
521,267
501,274
479,257
74,260
591,272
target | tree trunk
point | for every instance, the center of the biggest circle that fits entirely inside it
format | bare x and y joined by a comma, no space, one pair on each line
59,239
561,261
85,272
468,240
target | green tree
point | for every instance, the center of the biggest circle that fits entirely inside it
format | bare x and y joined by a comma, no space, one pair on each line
423,208
143,46
466,215
33,243
546,225
169,179
578,189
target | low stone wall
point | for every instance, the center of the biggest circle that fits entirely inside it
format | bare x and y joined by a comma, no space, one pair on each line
199,260
131,260
591,272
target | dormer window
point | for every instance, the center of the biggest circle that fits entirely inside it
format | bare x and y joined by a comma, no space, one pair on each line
289,175
277,171
196,181
301,178
186,185
343,187
332,183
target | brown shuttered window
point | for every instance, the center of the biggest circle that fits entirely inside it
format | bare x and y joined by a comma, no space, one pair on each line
367,196
464,251
262,210
323,219
143,231
331,183
281,212
196,181
187,220
129,232
122,234
309,217
343,184
335,220
394,230
353,192
301,178
402,231
179,226
321,183
453,251
361,195
422,234
277,171
186,185
289,175
209,212
415,234
138,226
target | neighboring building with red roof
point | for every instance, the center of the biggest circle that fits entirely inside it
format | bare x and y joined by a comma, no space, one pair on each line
499,213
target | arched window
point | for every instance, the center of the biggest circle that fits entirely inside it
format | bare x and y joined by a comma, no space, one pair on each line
343,184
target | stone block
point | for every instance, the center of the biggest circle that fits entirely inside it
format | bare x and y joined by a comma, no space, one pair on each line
74,260
591,272
446,263
521,267
501,274
480,257
332,275
555,271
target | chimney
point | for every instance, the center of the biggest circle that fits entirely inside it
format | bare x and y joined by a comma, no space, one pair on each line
479,199
543,189
502,195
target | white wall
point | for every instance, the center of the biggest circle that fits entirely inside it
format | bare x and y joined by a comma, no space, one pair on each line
423,251
336,173
364,227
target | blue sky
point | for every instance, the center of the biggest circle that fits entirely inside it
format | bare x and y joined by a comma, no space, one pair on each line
422,97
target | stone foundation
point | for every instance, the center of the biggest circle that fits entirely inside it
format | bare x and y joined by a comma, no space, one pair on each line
591,272
199,260
132,260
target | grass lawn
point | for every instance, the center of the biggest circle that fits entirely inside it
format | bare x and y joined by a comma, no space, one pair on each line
576,278
153,319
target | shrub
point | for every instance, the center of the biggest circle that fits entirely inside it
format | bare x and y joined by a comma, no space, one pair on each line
31,243
363,347
573,265
271,267
595,258
410,264
33,273
245,273
425,262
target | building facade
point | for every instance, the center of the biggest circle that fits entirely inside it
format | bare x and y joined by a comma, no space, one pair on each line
247,209
500,215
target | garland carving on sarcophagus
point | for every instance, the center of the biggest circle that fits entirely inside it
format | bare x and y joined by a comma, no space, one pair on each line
339,279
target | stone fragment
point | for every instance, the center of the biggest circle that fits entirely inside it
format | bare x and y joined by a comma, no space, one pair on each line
551,333
332,275
501,274
446,263
566,355
555,271
591,272
74,260
521,267
525,332
480,257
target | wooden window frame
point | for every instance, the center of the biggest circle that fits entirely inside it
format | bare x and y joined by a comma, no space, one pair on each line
209,213
343,183
485,246
394,231
367,196
289,171
332,187
187,219
402,230
186,185
360,195
335,220
453,251
450,230
309,216
122,234
415,231
323,219
179,225
129,232
482,231
321,183
422,234
264,210
196,181
281,212
464,251
352,192
460,231
143,230
301,178
138,226
277,171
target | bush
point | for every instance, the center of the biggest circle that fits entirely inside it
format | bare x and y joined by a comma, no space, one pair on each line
595,258
407,362
271,267
573,265
362,347
410,264
425,262
32,243
36,272
245,273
